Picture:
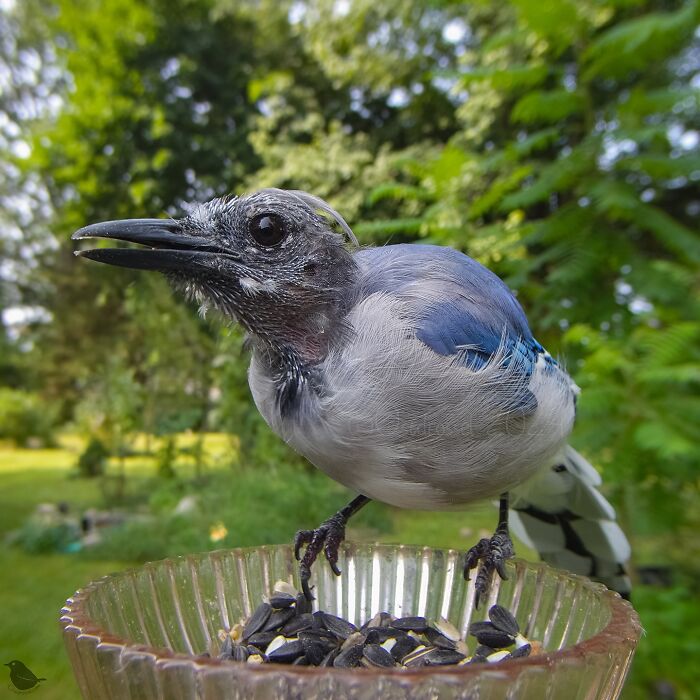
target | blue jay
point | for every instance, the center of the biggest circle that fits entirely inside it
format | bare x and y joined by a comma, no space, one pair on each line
408,373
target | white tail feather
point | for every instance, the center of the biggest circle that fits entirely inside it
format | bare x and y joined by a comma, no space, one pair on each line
561,514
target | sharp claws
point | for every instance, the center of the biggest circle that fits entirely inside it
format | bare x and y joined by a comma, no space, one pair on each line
501,569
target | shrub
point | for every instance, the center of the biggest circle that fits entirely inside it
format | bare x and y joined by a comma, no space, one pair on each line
24,416
92,461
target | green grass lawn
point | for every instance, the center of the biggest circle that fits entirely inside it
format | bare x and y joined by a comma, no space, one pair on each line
35,586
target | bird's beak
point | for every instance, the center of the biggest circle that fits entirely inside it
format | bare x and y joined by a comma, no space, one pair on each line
167,247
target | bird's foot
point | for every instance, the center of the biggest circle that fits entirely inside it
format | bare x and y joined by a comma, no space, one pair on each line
492,554
327,537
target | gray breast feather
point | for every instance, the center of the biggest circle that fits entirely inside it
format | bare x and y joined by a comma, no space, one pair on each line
404,425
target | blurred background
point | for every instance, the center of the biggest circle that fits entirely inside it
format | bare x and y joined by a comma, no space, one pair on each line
554,141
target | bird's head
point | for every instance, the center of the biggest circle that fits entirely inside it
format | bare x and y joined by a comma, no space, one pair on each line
267,260
14,664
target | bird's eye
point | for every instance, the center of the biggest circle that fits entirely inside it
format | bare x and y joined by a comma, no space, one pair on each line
267,229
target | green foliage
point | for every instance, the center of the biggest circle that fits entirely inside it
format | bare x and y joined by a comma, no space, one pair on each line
264,505
24,417
165,458
554,142
93,458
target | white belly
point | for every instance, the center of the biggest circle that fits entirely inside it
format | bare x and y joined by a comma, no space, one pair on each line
403,425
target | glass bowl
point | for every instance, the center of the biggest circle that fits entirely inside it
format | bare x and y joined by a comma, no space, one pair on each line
138,634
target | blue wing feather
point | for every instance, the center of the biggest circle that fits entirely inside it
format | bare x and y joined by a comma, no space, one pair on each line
475,316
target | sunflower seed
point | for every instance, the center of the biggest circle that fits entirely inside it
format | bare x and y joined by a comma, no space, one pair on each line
414,624
298,624
277,642
255,659
417,657
352,640
330,657
349,657
318,637
521,651
284,587
477,627
339,627
287,652
240,653
503,620
379,635
388,644
438,639
477,659
483,651
499,655
446,628
261,639
226,648
302,661
494,638
403,647
315,652
282,600
443,657
375,621
278,619
377,656
257,620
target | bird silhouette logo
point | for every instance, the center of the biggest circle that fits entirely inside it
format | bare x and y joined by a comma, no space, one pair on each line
21,677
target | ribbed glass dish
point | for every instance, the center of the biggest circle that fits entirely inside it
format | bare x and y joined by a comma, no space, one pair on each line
137,634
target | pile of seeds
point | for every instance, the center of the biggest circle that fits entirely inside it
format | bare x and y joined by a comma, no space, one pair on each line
284,630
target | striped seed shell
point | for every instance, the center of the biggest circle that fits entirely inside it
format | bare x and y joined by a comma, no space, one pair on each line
446,628
479,626
443,657
286,653
282,600
377,656
494,638
284,587
403,647
337,626
278,619
504,620
414,624
226,648
330,657
315,652
352,640
349,657
257,620
379,635
438,639
277,642
239,653
261,639
298,624
521,651
417,656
